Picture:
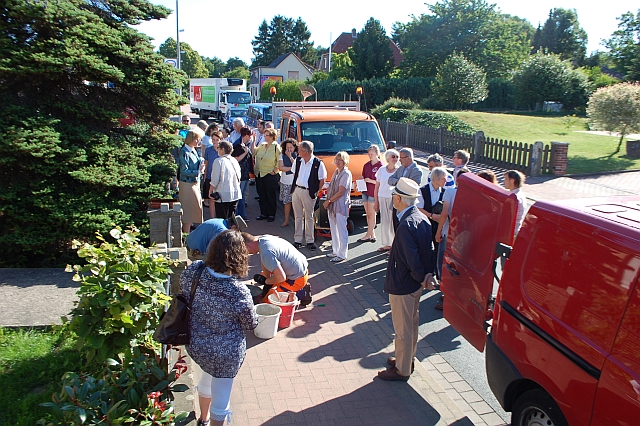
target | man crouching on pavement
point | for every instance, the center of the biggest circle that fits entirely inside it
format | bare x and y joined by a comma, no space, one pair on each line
284,268
410,258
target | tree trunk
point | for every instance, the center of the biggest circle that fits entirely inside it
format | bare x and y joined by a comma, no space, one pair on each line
619,144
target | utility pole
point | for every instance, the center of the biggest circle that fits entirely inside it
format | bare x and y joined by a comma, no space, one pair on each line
178,44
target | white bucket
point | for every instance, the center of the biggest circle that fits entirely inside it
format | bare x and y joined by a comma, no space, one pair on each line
268,316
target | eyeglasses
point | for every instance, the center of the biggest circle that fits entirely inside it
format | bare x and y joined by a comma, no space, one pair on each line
394,156
186,121
406,156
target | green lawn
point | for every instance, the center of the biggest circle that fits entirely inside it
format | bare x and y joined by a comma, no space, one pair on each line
587,153
31,365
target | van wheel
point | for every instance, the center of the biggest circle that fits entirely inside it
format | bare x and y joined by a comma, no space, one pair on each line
536,408
350,226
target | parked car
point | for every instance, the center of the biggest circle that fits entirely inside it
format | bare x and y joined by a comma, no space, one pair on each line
234,113
257,112
563,333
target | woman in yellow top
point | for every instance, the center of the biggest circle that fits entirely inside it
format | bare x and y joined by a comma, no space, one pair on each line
267,175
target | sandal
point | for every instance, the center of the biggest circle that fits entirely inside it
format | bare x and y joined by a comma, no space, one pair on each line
382,249
365,240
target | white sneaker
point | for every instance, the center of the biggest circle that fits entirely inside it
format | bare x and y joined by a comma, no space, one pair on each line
337,259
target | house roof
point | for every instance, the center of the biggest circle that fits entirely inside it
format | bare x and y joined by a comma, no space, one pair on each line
279,59
345,41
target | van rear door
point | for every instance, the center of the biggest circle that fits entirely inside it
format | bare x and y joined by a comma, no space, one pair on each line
483,215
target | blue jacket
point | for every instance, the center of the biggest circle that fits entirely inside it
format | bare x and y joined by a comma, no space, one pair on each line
412,254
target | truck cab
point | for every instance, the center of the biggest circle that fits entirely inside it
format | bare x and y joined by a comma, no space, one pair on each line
562,335
334,129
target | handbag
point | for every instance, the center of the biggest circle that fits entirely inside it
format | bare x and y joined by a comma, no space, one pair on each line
173,328
439,205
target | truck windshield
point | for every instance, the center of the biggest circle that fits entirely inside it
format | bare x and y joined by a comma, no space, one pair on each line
238,97
350,136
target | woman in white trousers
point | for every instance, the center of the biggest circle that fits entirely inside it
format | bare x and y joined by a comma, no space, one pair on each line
337,205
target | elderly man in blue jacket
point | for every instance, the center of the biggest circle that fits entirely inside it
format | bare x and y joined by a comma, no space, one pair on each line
411,262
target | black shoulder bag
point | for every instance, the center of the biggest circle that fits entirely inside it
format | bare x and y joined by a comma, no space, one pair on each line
174,323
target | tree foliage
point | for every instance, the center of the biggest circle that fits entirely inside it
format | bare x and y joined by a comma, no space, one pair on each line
341,66
459,82
547,78
561,34
69,70
370,52
286,90
376,90
496,42
282,35
191,61
624,46
616,109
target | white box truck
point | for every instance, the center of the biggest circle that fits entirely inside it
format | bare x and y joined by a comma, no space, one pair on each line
213,97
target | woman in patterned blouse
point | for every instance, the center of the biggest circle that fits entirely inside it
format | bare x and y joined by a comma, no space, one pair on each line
222,313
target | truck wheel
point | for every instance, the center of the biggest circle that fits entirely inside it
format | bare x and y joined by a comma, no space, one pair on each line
204,116
350,226
536,408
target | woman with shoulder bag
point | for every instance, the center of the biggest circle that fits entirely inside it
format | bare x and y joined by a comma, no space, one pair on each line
225,182
222,312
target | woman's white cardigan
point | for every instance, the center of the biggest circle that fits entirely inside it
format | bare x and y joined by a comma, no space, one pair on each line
225,178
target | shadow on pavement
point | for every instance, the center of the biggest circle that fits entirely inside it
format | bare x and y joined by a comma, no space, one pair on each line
369,404
24,278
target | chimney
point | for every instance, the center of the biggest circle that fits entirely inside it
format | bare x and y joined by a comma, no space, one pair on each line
354,33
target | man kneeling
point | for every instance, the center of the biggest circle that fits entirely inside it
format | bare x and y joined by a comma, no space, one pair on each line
284,268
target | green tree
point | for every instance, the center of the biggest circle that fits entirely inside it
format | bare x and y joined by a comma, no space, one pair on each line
237,72
562,35
624,46
341,66
282,35
459,82
191,61
616,109
233,63
548,78
68,167
286,90
215,66
370,52
491,40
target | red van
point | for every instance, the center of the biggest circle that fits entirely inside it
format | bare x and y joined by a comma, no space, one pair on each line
563,333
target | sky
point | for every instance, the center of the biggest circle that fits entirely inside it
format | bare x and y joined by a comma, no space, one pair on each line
215,29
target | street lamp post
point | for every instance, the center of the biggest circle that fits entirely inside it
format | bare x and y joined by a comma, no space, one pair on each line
178,44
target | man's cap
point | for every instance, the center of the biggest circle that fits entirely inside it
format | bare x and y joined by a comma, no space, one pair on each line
239,222
406,188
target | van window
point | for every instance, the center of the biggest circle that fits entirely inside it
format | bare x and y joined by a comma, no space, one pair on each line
329,137
561,278
293,130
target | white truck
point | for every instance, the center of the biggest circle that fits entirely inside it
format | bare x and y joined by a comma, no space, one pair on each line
213,97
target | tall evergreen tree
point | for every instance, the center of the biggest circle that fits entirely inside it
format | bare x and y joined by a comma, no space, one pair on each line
69,69
561,34
282,35
370,53
624,46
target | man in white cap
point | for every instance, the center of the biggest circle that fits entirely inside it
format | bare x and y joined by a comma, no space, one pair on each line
411,262
199,239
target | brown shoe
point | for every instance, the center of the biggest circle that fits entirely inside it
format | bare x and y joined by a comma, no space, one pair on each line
391,374
392,362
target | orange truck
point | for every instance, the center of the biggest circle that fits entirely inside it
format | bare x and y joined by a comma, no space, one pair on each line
332,126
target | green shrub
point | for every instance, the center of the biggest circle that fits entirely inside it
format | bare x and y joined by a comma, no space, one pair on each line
376,90
134,391
121,296
459,82
439,119
395,114
393,103
286,90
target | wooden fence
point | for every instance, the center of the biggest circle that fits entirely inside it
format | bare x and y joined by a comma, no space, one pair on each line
531,159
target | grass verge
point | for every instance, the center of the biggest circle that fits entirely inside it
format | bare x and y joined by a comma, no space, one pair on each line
588,153
31,365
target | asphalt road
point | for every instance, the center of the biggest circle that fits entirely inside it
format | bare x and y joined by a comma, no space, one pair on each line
464,358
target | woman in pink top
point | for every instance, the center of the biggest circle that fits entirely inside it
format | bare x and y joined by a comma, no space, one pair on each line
369,196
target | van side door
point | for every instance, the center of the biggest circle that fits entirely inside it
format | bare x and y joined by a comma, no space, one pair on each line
618,394
483,215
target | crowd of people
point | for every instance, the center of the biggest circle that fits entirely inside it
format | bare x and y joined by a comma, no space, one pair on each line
214,169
